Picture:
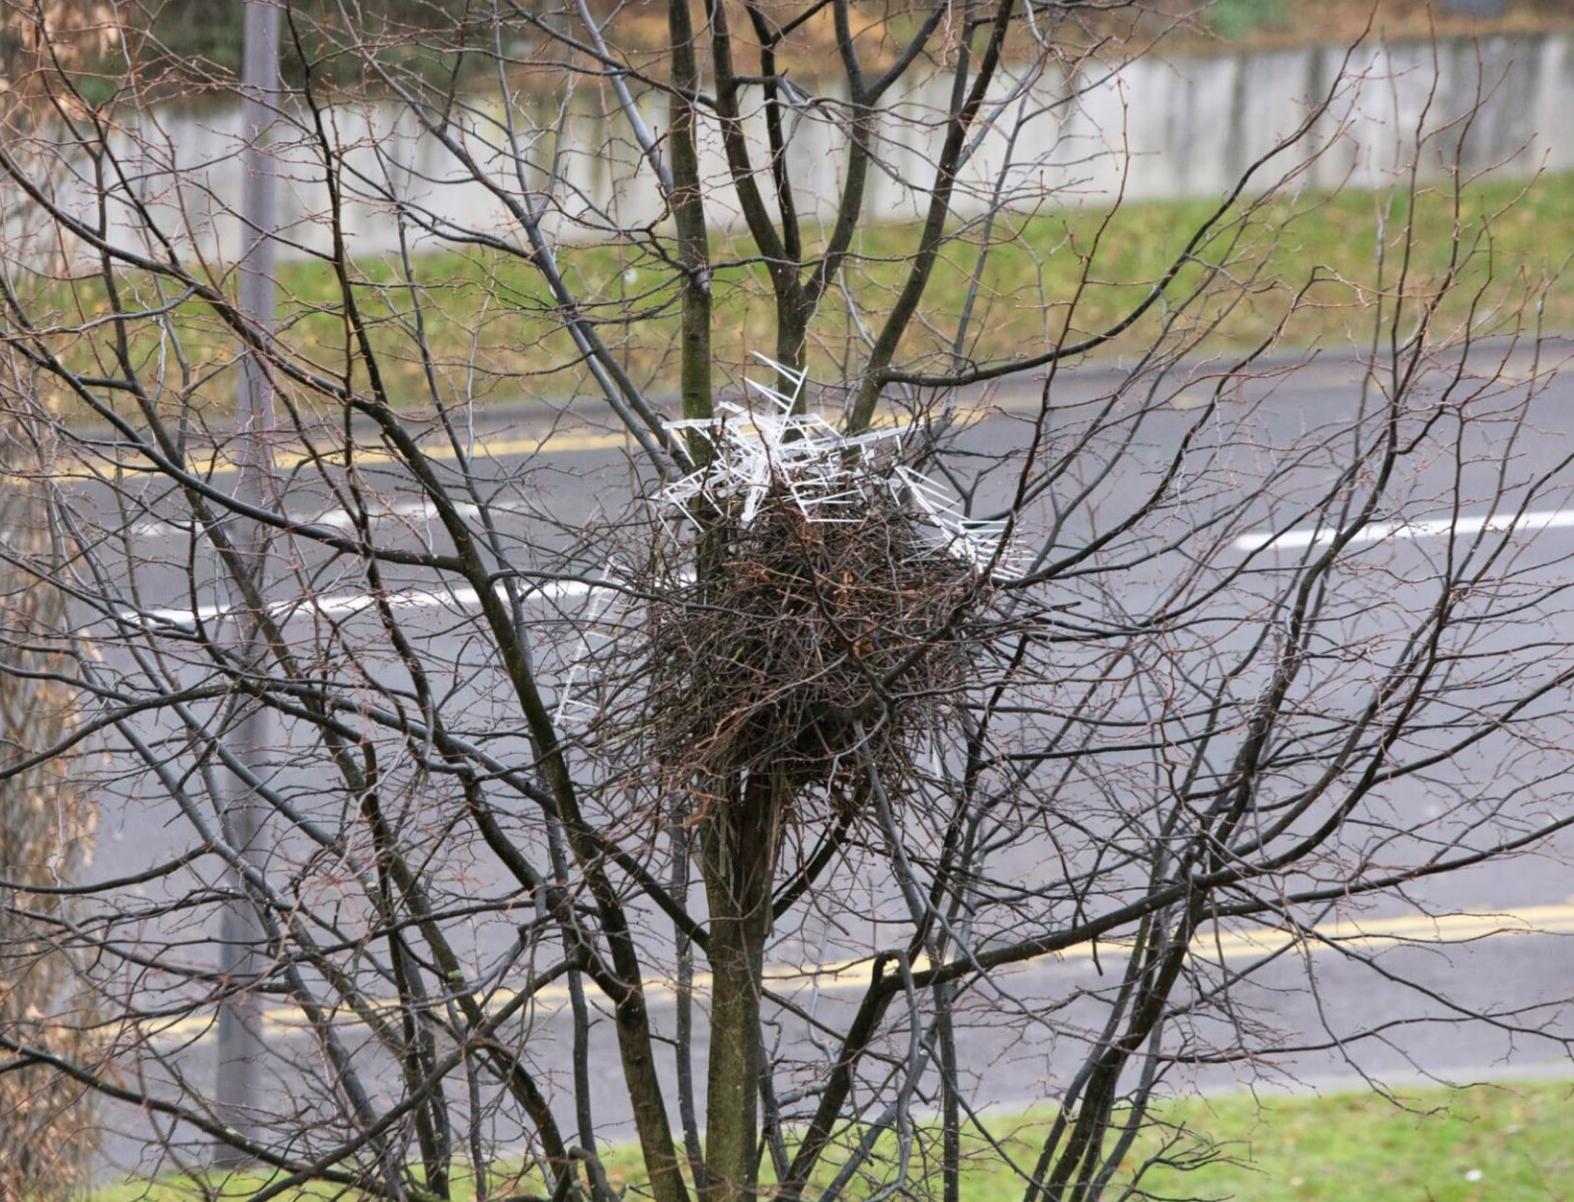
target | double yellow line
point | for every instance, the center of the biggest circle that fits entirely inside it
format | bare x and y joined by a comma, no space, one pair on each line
560,441
1353,935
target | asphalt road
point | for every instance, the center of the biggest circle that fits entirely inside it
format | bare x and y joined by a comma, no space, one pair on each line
1512,948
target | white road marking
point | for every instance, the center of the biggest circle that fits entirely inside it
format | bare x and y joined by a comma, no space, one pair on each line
336,605
403,509
338,519
1530,522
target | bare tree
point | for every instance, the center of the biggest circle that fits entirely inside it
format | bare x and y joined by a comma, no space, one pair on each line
46,819
46,835
751,786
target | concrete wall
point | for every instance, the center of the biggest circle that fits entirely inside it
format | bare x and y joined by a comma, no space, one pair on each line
1178,127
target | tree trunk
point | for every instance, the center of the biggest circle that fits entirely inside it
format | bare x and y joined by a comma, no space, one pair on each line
739,843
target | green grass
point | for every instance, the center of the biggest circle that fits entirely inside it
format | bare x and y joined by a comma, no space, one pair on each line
493,330
1236,19
1504,1144
1510,1143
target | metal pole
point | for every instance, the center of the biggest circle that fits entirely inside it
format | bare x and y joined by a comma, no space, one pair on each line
240,1035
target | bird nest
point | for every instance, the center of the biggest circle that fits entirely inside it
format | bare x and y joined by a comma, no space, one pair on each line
801,647
823,624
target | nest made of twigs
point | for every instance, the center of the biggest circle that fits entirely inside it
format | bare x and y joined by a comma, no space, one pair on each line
806,649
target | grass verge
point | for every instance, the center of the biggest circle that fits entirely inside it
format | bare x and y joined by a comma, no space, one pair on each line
1499,1143
492,329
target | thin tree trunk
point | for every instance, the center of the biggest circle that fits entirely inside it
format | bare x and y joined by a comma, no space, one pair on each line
739,848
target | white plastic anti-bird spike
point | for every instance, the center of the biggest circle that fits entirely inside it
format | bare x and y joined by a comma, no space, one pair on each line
826,473
975,541
601,602
798,379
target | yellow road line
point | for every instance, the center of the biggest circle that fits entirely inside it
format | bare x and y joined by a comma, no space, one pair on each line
555,441
570,440
1352,934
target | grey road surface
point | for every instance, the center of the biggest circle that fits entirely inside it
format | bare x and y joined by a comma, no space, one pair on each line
1402,982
